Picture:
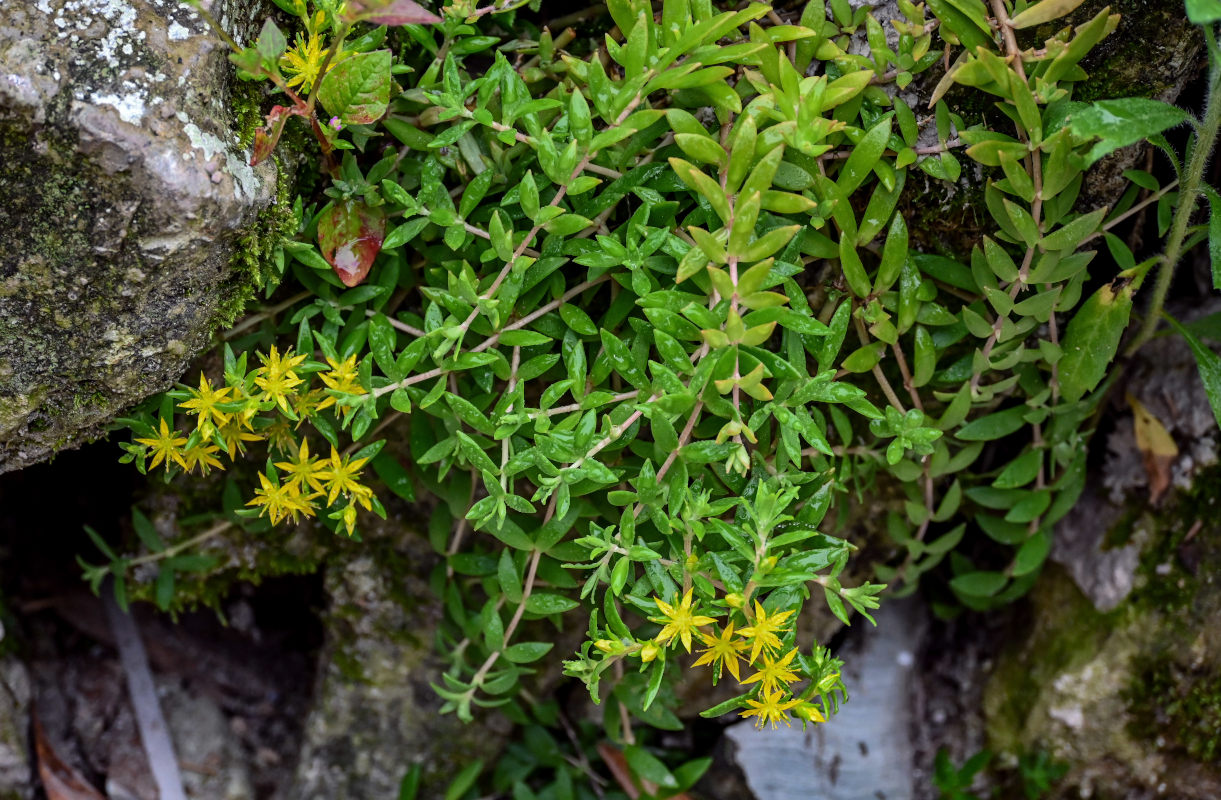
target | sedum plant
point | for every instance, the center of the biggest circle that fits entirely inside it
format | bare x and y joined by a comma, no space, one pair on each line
647,321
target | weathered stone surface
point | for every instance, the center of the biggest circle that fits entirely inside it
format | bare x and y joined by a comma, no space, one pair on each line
867,749
16,775
125,193
375,713
1117,671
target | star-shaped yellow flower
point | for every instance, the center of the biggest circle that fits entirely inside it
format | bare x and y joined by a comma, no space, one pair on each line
762,634
724,650
303,61
278,500
772,708
276,377
775,674
203,404
234,437
341,475
305,468
680,621
166,446
204,455
343,376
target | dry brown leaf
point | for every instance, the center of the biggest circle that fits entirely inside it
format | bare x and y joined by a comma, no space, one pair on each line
622,773
1157,449
59,780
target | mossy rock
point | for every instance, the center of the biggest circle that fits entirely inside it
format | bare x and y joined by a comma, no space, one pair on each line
1131,699
126,197
374,713
1154,52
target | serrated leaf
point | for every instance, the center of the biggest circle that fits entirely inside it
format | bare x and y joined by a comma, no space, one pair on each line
357,89
1092,339
1119,123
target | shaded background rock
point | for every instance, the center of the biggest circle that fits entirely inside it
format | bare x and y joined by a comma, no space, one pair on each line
374,713
125,194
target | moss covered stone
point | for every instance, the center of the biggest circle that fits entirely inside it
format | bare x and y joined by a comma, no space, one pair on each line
374,713
1130,698
126,197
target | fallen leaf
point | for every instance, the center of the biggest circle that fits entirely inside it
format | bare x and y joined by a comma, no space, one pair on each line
351,235
59,780
620,771
1157,448
616,762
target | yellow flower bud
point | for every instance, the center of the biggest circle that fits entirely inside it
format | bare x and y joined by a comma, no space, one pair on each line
734,600
809,712
607,645
648,652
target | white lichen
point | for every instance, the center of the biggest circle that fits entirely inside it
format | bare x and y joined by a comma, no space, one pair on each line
129,106
245,182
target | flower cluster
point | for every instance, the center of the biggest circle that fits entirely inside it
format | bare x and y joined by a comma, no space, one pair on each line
759,644
268,404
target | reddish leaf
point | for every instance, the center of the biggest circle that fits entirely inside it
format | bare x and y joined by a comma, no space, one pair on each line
389,12
350,235
59,780
266,137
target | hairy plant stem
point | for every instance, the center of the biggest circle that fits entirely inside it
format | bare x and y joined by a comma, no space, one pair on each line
1206,137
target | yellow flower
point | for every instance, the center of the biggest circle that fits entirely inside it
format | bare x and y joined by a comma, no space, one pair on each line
309,403
348,517
276,377
278,500
304,469
763,633
204,455
343,377
280,435
233,436
166,446
771,709
341,477
680,621
203,403
303,61
775,675
724,649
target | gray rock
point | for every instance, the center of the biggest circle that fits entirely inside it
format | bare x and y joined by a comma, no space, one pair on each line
125,195
16,777
374,712
863,751
1163,377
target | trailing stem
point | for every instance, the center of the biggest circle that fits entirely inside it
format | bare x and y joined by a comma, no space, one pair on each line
1206,138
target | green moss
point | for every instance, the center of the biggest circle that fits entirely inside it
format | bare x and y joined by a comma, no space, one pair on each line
1186,551
1064,631
257,258
1149,32
246,101
1178,705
